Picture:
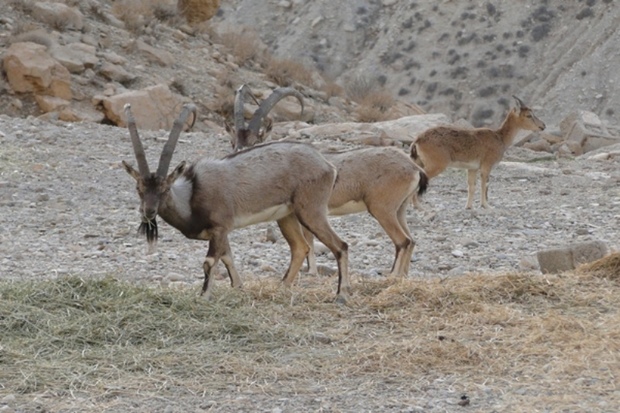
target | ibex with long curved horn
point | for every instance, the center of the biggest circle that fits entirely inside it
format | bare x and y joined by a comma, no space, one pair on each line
286,182
378,180
245,136
473,149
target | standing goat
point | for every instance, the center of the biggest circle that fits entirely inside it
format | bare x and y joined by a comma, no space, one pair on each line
378,180
285,182
473,149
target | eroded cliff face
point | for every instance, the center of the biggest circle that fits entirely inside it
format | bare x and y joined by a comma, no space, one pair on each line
461,58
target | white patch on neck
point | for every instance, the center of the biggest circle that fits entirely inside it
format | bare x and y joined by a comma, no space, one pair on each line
180,194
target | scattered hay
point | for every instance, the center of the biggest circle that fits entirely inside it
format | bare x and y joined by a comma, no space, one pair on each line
606,267
92,335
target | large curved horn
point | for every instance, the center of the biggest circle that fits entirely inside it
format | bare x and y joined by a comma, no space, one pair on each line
519,102
177,127
268,104
138,150
240,94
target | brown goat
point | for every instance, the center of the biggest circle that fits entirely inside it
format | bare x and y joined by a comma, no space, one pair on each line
378,180
473,149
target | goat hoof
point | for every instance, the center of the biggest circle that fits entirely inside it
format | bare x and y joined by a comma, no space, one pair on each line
341,299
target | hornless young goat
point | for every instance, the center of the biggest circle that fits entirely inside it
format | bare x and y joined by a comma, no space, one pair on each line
285,182
242,136
473,149
378,180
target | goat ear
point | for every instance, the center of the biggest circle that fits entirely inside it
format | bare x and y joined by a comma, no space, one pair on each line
178,171
131,171
232,133
266,130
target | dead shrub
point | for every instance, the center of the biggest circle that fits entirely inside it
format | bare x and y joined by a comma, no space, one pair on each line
137,14
243,45
607,267
224,96
359,87
286,72
24,6
198,11
375,106
331,89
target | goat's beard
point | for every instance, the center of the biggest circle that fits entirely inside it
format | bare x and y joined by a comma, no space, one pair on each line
149,228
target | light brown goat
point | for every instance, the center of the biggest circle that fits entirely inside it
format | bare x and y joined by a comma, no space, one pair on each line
473,149
378,180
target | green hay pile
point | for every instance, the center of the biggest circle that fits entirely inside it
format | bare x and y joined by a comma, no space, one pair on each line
104,337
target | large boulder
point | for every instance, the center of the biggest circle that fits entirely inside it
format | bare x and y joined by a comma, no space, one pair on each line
403,130
154,107
76,57
570,256
588,131
30,69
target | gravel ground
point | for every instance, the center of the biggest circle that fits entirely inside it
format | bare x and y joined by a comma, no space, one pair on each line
67,207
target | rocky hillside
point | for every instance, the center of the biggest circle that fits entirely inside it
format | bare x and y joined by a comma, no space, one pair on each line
362,61
461,58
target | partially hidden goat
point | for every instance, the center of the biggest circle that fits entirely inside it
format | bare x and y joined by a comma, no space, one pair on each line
286,182
475,150
243,136
380,180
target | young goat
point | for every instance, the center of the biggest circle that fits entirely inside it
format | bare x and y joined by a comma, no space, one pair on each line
285,182
378,180
472,149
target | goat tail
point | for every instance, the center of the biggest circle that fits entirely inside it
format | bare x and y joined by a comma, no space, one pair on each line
415,157
413,152
423,183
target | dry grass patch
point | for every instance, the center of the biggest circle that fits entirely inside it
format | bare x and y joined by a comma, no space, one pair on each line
607,267
244,45
137,14
538,333
286,72
374,107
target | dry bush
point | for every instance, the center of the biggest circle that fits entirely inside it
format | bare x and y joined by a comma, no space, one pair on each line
375,106
606,267
243,44
198,11
359,87
23,6
137,14
331,89
96,10
223,99
286,72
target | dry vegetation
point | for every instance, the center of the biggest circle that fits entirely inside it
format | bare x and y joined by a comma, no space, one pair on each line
543,335
137,14
286,72
244,45
375,106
